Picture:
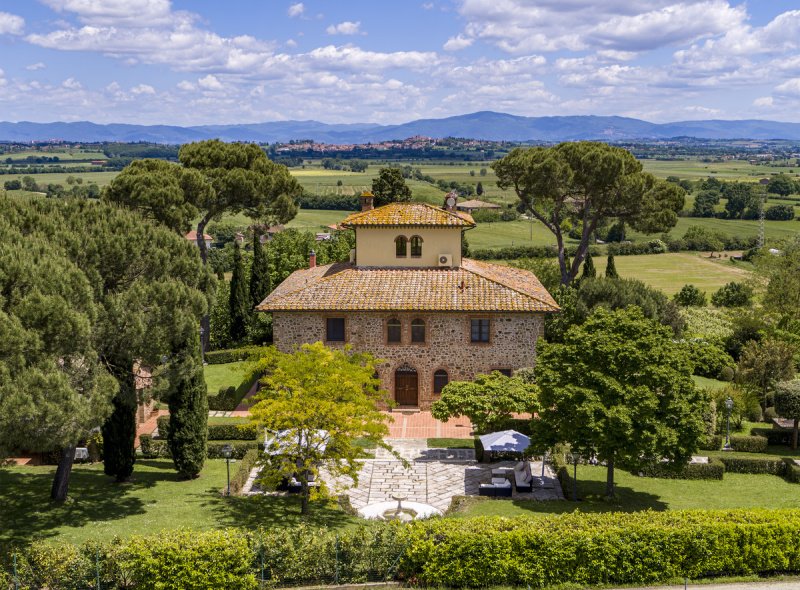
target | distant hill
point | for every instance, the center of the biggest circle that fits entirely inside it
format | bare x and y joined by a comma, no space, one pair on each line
481,125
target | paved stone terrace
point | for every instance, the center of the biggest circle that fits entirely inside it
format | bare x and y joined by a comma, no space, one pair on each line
433,476
416,424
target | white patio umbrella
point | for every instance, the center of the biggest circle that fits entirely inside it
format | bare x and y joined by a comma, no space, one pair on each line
277,443
506,441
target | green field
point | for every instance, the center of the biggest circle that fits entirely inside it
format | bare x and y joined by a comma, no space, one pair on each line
99,178
670,272
62,155
156,499
731,170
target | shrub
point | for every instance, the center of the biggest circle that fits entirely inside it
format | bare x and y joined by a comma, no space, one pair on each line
733,295
190,559
217,431
701,238
774,436
780,213
689,296
155,448
709,359
754,465
231,355
600,549
748,444
727,374
792,470
714,469
712,442
246,465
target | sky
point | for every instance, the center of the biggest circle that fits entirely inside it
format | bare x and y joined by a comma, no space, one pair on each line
182,62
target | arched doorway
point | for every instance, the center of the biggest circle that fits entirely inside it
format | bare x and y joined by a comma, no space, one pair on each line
406,386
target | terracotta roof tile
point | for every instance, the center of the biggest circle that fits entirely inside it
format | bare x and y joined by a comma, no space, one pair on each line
476,286
395,214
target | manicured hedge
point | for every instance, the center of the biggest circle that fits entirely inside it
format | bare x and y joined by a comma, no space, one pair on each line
712,442
601,549
714,469
231,355
639,548
792,470
749,444
216,431
754,465
774,436
153,448
242,474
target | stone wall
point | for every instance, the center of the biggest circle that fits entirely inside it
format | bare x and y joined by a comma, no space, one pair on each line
512,343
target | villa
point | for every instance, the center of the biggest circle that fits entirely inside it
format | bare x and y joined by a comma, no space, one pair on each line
409,297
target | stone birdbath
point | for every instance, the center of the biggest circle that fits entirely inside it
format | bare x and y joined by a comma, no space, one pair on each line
400,513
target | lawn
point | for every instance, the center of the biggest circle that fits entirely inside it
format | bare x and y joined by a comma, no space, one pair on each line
99,178
224,375
670,272
706,383
695,169
156,499
643,493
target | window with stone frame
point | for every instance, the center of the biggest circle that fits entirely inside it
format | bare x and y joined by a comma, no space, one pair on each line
394,331
334,329
505,371
479,330
440,379
401,246
418,331
416,247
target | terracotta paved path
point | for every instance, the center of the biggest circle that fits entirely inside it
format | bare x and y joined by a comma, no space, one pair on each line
423,425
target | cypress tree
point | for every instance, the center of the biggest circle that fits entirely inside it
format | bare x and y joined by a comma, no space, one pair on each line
188,418
119,430
260,283
238,302
588,267
611,268
479,189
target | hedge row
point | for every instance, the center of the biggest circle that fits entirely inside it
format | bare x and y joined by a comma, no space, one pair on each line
231,355
601,549
580,549
774,436
754,465
712,442
242,474
514,252
216,431
714,469
792,470
749,444
154,448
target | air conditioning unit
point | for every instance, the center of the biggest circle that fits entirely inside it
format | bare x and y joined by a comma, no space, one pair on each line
445,260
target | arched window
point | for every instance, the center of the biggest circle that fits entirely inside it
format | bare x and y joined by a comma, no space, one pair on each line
416,247
401,246
418,331
394,330
440,379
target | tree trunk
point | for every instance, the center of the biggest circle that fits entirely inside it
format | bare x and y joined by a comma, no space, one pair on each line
119,429
58,492
304,494
794,434
610,479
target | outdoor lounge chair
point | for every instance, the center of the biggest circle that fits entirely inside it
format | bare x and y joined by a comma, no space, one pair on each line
523,478
499,488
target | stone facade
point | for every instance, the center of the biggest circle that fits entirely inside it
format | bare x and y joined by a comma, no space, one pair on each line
447,346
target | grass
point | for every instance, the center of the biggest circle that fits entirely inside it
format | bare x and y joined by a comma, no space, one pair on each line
706,383
695,169
670,272
156,499
224,375
451,443
99,178
643,493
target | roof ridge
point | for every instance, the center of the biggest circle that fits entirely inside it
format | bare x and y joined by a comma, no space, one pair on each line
496,282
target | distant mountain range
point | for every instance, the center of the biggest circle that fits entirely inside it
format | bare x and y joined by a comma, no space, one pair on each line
482,125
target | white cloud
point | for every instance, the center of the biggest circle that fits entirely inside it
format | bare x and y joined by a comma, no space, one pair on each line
291,43
72,84
296,10
11,24
37,66
427,6
210,82
143,89
345,28
458,42
186,85
763,101
130,13
789,88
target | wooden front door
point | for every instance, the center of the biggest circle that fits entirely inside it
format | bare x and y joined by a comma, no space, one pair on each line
406,391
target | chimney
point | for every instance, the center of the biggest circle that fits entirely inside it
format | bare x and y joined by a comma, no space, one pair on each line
312,259
450,200
367,199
